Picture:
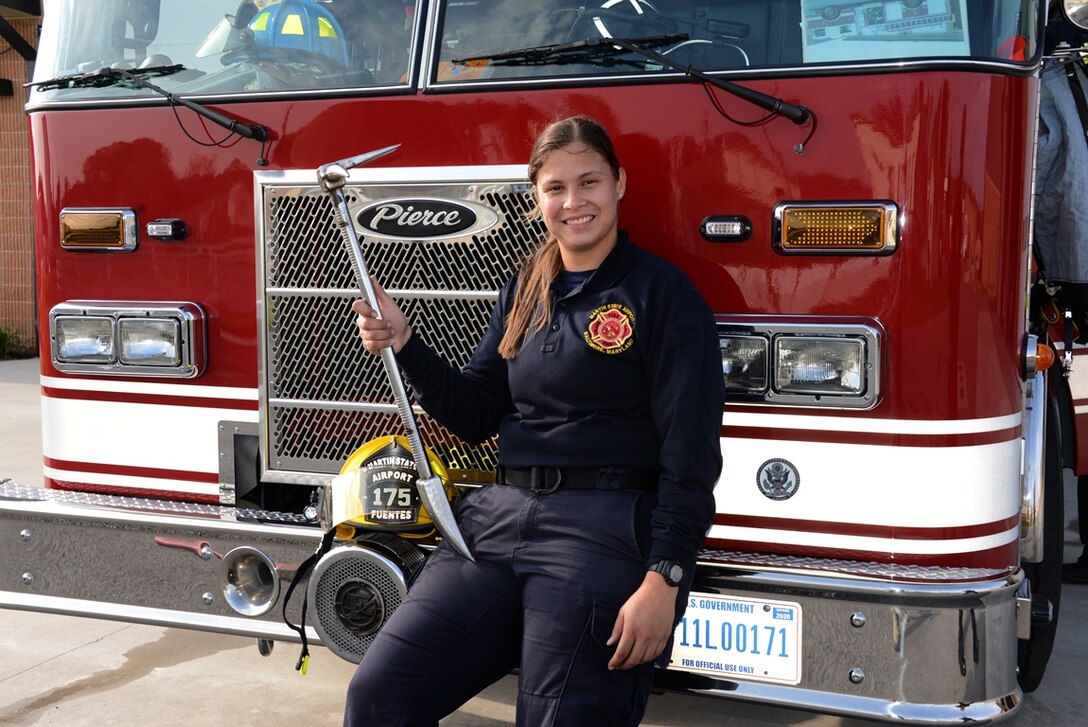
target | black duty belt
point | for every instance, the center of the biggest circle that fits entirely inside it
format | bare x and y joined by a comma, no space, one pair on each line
543,480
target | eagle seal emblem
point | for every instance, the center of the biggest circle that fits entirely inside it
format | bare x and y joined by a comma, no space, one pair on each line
611,329
778,479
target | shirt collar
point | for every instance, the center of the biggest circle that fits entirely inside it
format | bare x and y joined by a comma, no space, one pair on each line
614,267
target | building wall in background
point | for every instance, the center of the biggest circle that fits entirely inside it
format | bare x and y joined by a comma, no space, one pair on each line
17,289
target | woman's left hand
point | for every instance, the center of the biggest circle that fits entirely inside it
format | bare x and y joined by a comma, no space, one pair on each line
644,623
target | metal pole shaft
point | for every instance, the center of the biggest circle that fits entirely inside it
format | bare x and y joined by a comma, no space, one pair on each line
333,177
389,360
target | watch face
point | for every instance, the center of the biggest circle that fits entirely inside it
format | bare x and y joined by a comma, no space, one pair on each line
675,574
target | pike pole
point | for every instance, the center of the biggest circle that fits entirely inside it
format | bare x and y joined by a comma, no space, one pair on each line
332,178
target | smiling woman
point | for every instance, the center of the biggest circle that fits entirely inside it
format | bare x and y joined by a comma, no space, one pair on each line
578,193
587,355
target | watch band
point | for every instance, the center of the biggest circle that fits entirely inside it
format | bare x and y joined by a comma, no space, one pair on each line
672,571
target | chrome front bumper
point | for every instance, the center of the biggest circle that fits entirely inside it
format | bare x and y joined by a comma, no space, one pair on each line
896,644
924,651
143,561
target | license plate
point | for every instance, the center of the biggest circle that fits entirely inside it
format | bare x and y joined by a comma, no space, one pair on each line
732,636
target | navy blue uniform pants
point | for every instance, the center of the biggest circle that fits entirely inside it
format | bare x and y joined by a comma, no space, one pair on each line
551,573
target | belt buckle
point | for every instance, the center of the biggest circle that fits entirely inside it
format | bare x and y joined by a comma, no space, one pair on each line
538,481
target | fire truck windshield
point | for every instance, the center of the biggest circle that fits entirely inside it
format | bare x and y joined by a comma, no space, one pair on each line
232,47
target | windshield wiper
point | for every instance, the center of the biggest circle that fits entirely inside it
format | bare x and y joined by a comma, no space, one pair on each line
104,77
579,51
100,78
595,49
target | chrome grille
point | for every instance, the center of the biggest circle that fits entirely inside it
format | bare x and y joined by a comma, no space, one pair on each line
322,395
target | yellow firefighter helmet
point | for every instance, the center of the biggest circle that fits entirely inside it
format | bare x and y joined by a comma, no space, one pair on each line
384,477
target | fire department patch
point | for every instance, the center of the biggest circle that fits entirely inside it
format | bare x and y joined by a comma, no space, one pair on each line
611,329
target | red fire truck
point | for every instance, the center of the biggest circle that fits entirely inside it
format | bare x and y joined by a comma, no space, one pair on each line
848,183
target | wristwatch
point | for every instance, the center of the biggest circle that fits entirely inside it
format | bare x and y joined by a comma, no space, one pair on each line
670,570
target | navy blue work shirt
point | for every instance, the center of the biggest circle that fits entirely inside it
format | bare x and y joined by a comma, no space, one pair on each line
628,372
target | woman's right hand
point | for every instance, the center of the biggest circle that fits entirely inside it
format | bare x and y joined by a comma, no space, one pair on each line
391,329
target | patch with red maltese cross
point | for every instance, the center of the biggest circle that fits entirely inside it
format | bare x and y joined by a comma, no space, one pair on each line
611,329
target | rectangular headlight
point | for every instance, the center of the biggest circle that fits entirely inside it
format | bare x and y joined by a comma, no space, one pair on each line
129,338
813,365
744,362
150,341
83,340
826,361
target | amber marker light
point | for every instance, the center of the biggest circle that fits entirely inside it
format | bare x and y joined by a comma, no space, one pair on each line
98,229
1044,357
1037,356
836,228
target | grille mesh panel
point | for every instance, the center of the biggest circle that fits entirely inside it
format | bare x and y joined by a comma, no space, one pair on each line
322,389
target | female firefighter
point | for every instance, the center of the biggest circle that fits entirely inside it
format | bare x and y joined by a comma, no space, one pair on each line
601,373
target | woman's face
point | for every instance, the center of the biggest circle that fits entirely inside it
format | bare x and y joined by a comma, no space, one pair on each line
578,197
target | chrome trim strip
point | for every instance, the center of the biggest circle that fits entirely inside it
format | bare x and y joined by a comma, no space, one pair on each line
231,625
1031,355
778,72
336,405
386,91
1034,469
430,40
402,176
389,91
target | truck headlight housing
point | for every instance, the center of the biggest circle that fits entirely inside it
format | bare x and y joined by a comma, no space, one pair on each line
789,360
129,338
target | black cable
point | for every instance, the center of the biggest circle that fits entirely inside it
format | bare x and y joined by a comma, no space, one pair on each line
800,148
718,106
219,143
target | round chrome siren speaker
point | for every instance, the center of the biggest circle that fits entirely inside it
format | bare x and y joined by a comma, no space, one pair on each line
354,589
251,581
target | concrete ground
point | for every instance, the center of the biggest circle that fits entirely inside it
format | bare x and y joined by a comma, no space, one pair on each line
59,670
